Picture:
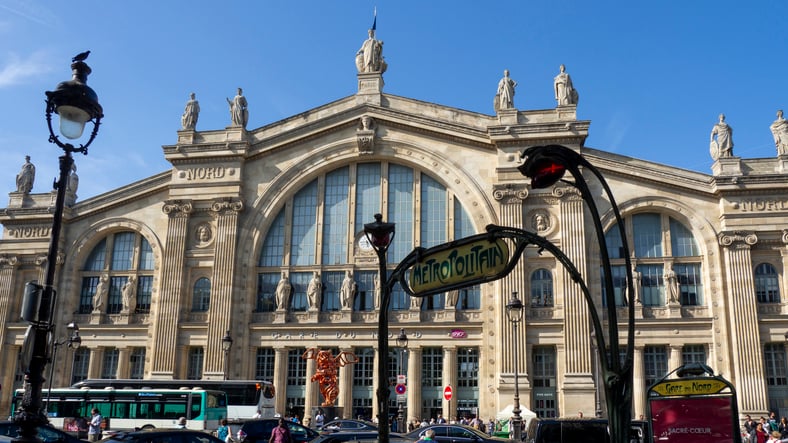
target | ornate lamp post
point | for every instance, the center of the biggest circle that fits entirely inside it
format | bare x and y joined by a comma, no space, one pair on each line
227,344
514,313
546,165
402,343
73,341
380,236
76,104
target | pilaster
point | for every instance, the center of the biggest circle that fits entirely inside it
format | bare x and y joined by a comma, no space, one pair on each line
165,317
639,383
280,377
414,383
449,377
743,306
311,389
346,387
225,212
124,356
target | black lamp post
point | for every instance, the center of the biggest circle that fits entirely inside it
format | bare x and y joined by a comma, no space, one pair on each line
514,313
73,341
227,344
402,343
380,236
546,165
76,104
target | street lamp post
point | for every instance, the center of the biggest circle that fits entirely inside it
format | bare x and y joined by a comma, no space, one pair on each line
545,166
380,236
514,313
402,343
227,344
73,341
76,104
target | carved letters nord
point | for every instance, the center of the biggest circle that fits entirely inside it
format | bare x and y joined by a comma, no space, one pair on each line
206,173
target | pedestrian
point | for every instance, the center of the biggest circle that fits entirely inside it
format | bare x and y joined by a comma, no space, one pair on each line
257,414
224,432
94,430
280,434
428,435
319,419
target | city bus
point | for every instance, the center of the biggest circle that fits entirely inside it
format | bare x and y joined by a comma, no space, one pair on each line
244,397
126,409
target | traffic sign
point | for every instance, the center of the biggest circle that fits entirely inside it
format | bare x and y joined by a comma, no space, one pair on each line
447,392
400,389
401,379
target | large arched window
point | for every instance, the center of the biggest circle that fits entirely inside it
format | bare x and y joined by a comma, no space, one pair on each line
767,286
320,228
118,257
661,244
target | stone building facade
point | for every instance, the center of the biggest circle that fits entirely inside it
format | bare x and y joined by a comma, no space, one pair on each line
207,242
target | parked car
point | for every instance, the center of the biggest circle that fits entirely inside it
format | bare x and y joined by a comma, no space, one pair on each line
349,425
259,431
159,435
47,434
359,437
445,433
576,429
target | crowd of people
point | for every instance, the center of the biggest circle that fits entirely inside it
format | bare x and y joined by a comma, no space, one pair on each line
766,430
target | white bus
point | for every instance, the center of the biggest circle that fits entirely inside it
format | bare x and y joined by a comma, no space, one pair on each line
126,409
244,397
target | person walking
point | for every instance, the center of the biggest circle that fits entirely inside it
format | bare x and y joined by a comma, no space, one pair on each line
94,430
224,432
281,434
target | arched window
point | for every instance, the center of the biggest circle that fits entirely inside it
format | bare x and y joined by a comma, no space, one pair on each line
767,286
201,295
326,233
118,257
541,288
661,244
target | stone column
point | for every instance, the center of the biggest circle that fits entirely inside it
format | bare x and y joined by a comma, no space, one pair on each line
511,198
675,357
94,363
9,359
280,379
450,378
124,356
639,383
578,380
414,382
165,315
220,312
375,384
346,387
743,307
8,265
312,396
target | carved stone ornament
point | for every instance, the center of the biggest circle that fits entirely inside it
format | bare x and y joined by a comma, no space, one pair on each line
177,207
227,205
203,234
729,238
510,193
541,222
365,135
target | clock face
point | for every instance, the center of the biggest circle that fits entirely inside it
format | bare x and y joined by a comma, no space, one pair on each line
364,244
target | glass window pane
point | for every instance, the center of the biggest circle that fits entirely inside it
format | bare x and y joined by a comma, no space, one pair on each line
274,245
541,288
109,367
98,255
201,298
615,247
652,285
469,298
266,291
693,354
123,251
400,211
264,367
335,218
681,241
655,363
433,212
332,283
302,249
774,363
300,281
115,298
647,235
194,364
767,284
86,294
146,256
367,193
144,291
690,284
365,296
463,225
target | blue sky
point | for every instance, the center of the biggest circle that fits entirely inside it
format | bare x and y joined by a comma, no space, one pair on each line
652,76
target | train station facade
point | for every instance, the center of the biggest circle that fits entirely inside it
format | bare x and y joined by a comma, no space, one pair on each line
204,246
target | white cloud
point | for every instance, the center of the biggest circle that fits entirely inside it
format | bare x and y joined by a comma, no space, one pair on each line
17,70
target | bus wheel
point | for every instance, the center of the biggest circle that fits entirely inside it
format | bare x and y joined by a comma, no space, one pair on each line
146,427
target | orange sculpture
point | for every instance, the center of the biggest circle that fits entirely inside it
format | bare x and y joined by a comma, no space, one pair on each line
327,371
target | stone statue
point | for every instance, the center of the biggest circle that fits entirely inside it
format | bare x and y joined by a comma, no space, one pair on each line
100,296
504,98
348,291
26,177
637,283
780,132
129,294
369,57
671,286
565,93
191,113
73,181
283,289
313,292
723,145
451,298
378,293
239,112
327,371
415,302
